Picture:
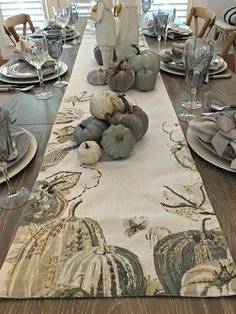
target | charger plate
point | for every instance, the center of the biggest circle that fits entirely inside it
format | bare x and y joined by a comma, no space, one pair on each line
25,160
196,144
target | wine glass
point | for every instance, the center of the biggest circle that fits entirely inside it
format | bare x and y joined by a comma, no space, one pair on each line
198,53
55,48
145,7
160,19
35,50
171,18
73,10
14,197
62,17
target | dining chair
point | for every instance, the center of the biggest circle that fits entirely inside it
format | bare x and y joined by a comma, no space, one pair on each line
203,19
12,22
228,33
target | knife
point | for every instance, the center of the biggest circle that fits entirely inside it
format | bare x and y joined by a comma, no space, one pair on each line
220,76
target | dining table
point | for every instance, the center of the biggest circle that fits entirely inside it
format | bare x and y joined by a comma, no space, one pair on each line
38,117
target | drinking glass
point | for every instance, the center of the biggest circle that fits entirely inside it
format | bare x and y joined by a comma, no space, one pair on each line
14,197
160,19
35,50
198,53
62,17
171,18
55,48
73,10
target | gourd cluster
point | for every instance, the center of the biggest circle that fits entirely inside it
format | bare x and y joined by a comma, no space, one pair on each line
138,70
113,127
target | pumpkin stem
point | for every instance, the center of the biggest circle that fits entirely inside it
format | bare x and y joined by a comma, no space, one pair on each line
86,145
204,225
126,103
137,48
119,67
72,209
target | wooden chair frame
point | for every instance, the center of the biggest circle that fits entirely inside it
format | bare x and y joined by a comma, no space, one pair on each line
13,21
198,13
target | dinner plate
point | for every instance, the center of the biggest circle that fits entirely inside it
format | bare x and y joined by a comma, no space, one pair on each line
176,71
22,144
23,162
49,77
74,35
196,144
22,69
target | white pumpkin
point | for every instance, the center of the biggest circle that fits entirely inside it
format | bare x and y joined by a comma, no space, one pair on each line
105,103
89,152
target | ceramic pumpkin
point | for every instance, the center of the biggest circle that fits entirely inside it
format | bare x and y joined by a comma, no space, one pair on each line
90,129
105,103
118,141
97,77
133,118
121,77
178,252
98,55
118,272
145,80
89,152
146,58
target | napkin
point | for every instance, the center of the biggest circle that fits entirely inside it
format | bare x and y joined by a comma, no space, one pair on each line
219,130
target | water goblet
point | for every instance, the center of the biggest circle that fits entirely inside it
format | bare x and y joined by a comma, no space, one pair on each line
35,50
14,197
171,18
62,17
55,48
160,19
73,9
198,53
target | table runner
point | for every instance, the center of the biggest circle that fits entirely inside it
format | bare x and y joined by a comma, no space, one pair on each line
141,226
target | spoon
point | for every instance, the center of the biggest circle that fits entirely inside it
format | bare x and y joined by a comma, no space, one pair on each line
11,88
218,107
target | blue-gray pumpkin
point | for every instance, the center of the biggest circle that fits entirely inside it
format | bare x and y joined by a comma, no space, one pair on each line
145,80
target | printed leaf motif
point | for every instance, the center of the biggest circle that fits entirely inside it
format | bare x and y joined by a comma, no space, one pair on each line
63,181
179,149
81,97
187,201
134,225
68,115
65,134
217,277
55,153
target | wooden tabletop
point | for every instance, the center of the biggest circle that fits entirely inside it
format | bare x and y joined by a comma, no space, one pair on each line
38,117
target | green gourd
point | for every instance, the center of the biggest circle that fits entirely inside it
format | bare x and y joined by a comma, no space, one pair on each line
90,129
121,77
146,58
145,80
97,77
118,141
133,118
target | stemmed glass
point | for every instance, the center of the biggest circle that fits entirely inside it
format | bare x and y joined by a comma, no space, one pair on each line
145,6
160,19
198,53
73,9
55,48
15,197
62,17
35,50
171,18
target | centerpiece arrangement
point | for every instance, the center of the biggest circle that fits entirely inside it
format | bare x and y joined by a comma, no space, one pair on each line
113,128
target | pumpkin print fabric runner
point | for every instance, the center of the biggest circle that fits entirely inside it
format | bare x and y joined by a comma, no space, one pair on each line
140,226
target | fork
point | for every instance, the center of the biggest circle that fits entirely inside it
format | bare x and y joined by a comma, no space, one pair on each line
8,88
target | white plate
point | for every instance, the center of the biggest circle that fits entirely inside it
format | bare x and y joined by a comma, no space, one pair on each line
167,69
14,169
203,152
21,69
10,80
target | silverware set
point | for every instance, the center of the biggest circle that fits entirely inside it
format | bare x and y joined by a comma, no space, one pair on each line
9,87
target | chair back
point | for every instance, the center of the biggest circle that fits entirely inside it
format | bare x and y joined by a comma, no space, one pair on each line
205,15
13,21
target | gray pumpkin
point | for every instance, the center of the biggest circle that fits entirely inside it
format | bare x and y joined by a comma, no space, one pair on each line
97,77
145,80
121,77
98,55
90,129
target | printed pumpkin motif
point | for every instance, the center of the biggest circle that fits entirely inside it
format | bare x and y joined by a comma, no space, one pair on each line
178,252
